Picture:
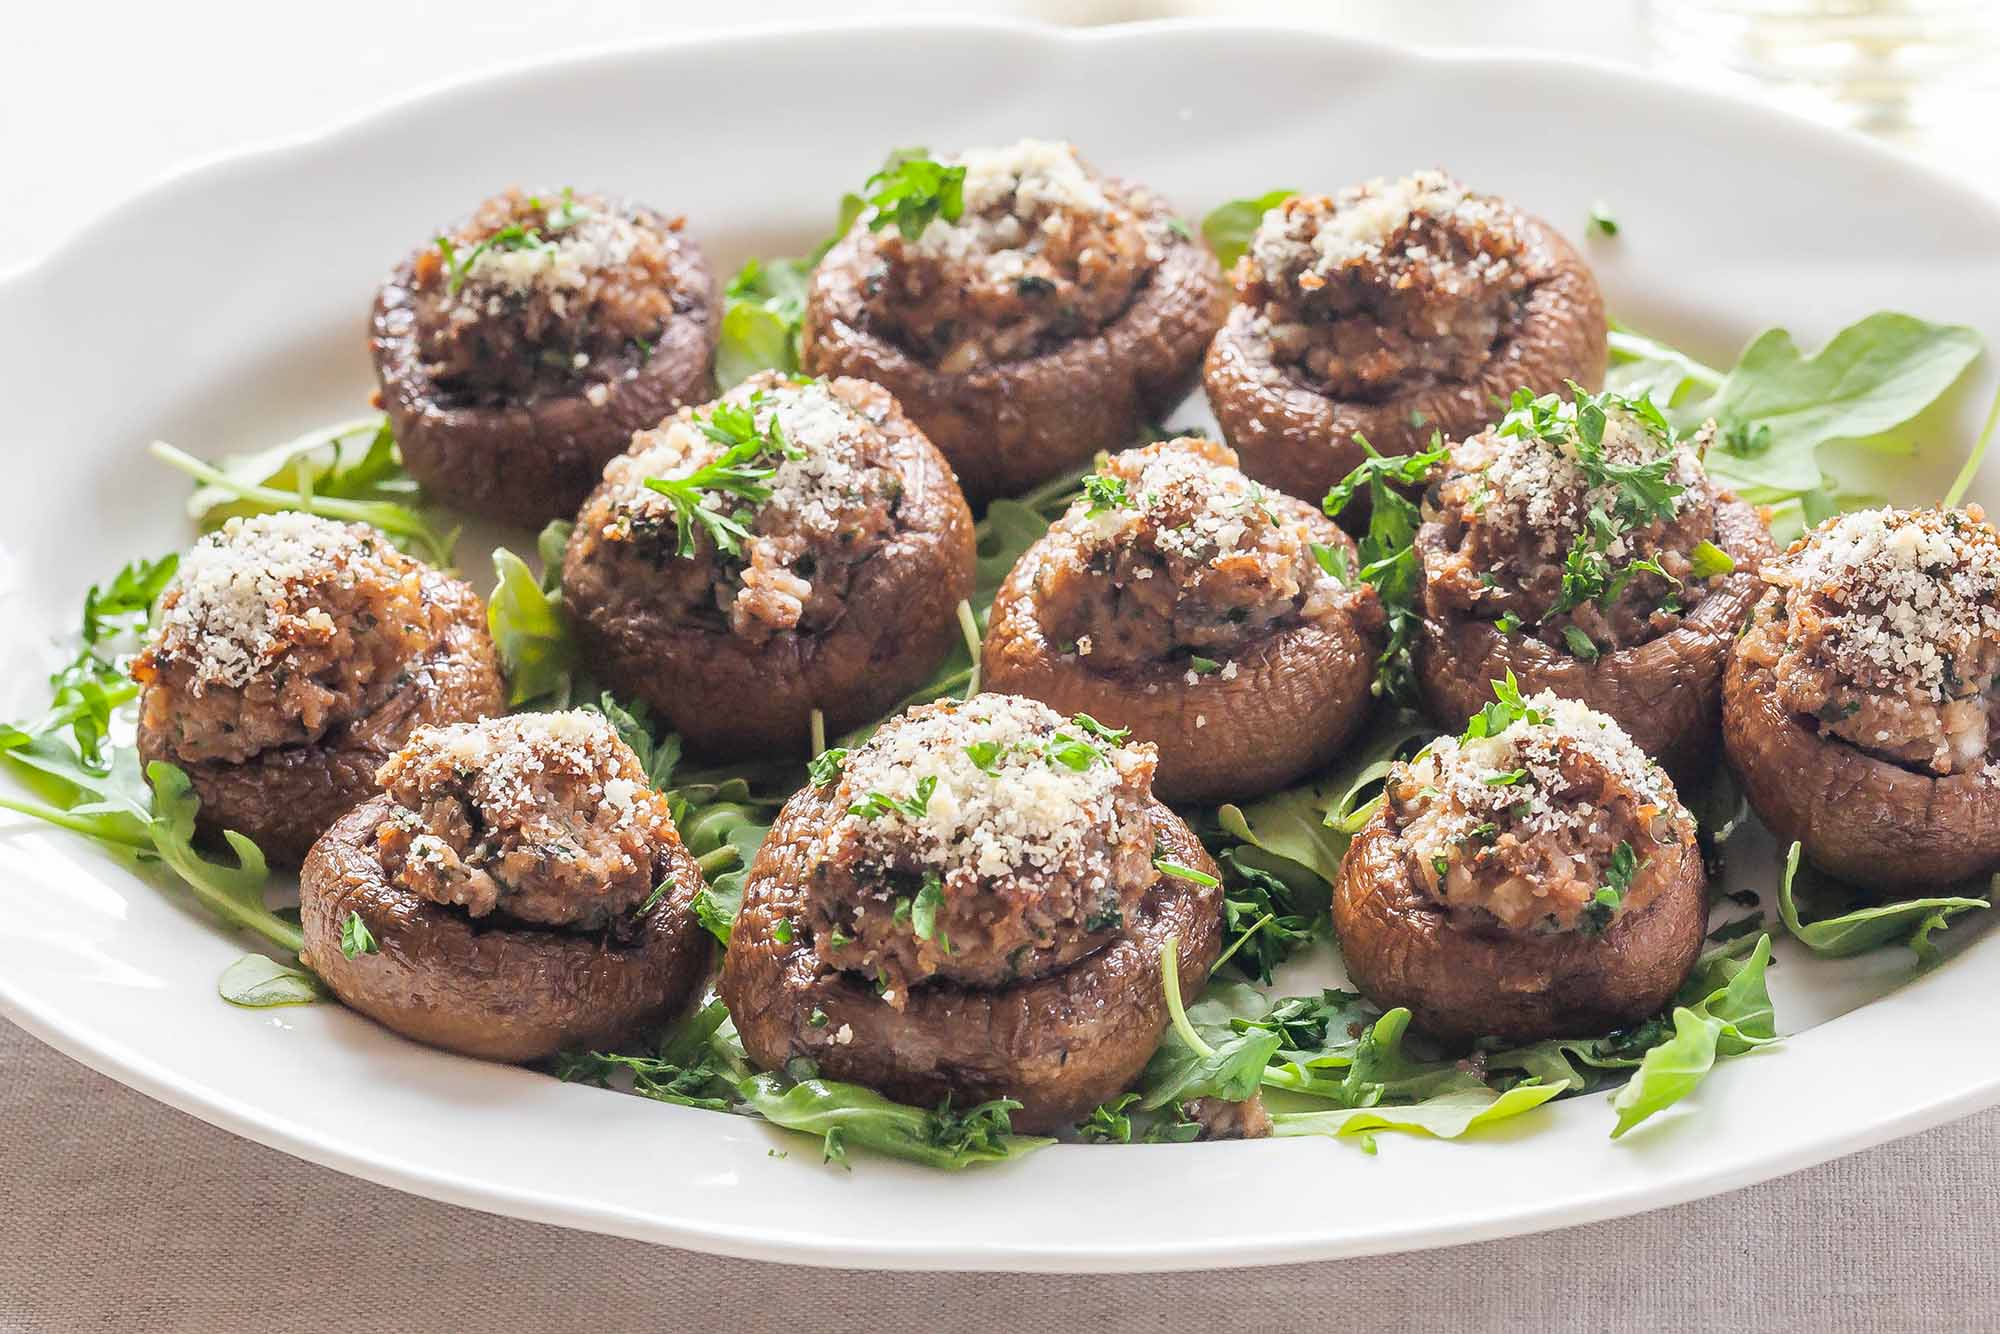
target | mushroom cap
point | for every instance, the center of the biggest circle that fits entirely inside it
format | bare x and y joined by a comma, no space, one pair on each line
1666,693
1863,819
724,694
1293,437
1060,1044
1298,694
527,463
1403,949
1012,424
498,991
285,798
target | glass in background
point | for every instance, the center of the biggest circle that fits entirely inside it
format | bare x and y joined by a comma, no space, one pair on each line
1903,69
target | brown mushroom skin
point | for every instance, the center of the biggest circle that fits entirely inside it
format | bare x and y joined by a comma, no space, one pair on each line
1862,819
1666,693
497,991
1009,425
725,695
284,799
1465,983
528,462
1060,1044
1299,693
1293,437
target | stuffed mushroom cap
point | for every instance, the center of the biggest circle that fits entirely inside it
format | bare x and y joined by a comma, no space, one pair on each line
519,352
1861,702
292,653
1219,620
1025,309
796,545
975,906
1536,877
1393,309
1581,545
523,888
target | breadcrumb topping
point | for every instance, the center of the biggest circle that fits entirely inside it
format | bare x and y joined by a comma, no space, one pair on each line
998,785
246,592
1908,596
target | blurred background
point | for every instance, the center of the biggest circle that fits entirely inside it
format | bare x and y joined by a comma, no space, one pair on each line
97,100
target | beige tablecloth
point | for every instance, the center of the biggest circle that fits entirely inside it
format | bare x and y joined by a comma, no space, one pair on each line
121,1214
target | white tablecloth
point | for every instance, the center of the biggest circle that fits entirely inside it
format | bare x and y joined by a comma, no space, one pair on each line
120,1214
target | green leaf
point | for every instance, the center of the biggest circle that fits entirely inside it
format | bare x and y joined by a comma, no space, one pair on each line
1445,1116
1710,560
911,191
1870,378
257,981
847,1114
1669,1071
1229,227
532,633
1910,921
407,527
1724,1009
233,893
1204,1054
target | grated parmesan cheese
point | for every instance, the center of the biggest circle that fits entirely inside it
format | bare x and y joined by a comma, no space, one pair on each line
1312,237
242,591
503,762
1459,771
1022,812
1899,595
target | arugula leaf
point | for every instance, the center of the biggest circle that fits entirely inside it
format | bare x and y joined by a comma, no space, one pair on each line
1229,227
1444,1116
407,527
257,982
531,630
1118,1122
1203,1055
1870,378
764,306
843,1114
1912,921
1723,1010
658,755
686,1068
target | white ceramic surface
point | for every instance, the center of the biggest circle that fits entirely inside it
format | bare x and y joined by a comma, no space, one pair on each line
226,309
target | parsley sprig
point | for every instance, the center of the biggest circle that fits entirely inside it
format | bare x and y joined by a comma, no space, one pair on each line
909,192
743,471
1388,551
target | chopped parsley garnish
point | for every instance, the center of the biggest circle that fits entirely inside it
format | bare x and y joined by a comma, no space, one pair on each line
1506,709
743,471
910,192
1604,904
1334,561
1206,666
1094,728
817,1019
1508,623
1179,872
985,756
1601,220
924,908
1105,494
1508,779
1442,865
1071,752
660,891
876,804
1711,560
1581,644
511,237
1388,556
782,932
824,767
355,937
